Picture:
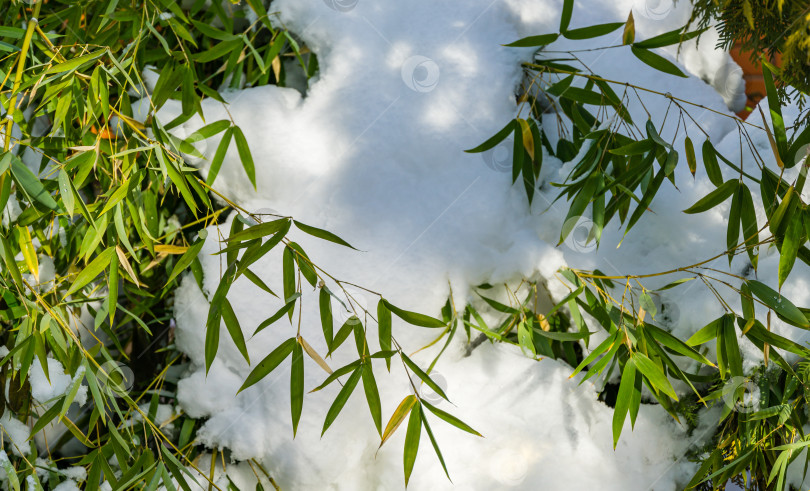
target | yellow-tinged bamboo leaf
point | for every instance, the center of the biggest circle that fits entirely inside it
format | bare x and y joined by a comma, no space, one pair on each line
170,249
398,417
28,251
528,139
771,139
314,355
629,34
125,263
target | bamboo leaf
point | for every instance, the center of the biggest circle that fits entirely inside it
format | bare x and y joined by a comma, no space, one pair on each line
92,270
322,234
593,31
384,325
449,418
372,396
714,198
424,376
623,399
234,329
527,42
412,436
297,385
654,374
778,303
269,363
398,417
657,61
259,231
342,397
414,318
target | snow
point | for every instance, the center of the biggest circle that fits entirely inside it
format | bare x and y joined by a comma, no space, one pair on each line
57,383
17,432
374,154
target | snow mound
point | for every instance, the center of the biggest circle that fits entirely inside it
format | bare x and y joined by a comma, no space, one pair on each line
374,154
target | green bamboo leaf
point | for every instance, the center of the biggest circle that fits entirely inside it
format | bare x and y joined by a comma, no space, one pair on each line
748,217
288,274
623,399
592,31
778,303
188,257
343,333
449,418
384,325
495,139
66,192
327,323
706,333
790,247
565,16
338,373
258,231
75,63
675,283
269,363
635,148
711,165
245,155
372,395
675,344
423,376
714,198
528,42
689,148
92,270
414,318
304,264
646,200
733,230
322,234
654,374
668,39
499,306
657,61
234,329
778,122
297,385
288,307
212,328
112,289
342,397
219,156
412,436
31,184
731,347
433,441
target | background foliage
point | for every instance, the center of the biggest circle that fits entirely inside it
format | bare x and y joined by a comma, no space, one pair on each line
110,216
